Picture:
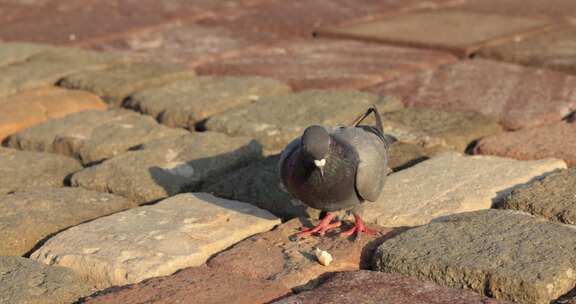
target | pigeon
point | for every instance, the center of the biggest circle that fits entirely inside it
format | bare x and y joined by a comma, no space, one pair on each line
337,168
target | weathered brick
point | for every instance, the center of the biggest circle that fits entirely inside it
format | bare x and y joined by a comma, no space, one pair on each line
92,136
28,218
516,96
116,82
47,67
556,140
186,103
459,32
25,170
306,64
169,166
149,241
504,254
30,108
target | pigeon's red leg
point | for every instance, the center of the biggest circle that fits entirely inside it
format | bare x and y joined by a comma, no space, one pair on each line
324,226
358,228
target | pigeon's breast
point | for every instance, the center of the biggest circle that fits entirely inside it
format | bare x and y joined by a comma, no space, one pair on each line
333,191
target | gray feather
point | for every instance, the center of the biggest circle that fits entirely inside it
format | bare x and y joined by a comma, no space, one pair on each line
290,148
373,161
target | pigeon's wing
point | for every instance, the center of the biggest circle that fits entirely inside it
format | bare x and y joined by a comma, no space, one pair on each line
373,161
290,148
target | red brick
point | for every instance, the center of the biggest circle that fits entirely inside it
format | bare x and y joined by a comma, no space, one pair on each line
33,107
534,8
551,49
78,22
372,287
193,285
175,42
279,20
321,63
516,96
460,32
19,10
552,141
11,12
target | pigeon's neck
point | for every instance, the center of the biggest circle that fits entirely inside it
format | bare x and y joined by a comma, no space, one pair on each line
338,155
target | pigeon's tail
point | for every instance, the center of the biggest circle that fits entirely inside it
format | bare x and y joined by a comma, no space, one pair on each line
377,128
371,109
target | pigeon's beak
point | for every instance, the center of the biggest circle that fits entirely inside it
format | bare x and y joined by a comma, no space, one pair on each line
320,165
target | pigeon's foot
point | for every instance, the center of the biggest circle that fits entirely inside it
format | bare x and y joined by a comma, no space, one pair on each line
324,226
358,228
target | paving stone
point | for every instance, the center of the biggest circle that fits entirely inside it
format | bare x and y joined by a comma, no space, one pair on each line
12,11
29,11
426,127
459,32
19,51
296,19
26,281
46,68
169,166
258,184
30,108
193,285
177,42
319,64
27,218
552,197
505,254
275,121
451,183
552,49
65,23
549,141
187,102
92,136
403,155
24,170
155,240
116,82
268,260
517,96
240,27
533,8
372,287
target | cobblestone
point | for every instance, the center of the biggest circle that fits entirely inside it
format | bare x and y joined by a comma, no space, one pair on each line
504,254
115,83
23,170
169,166
186,103
151,241
93,136
30,108
322,64
518,97
28,218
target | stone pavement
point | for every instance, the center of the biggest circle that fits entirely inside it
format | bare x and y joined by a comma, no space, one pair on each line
140,141
503,254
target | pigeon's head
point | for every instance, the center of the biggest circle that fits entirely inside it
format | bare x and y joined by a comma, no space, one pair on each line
316,145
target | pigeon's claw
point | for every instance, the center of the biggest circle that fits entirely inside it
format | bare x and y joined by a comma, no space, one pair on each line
324,226
358,228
